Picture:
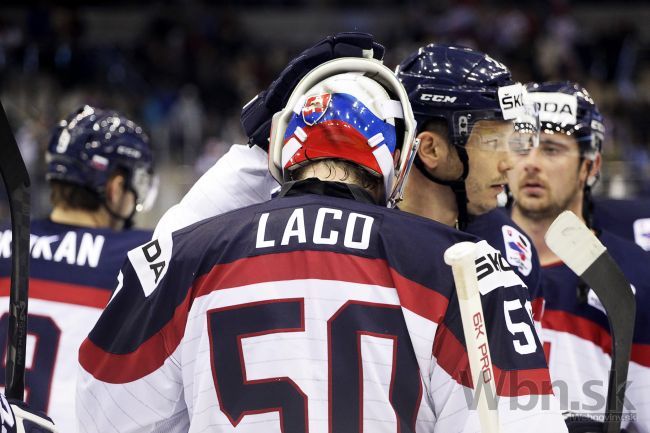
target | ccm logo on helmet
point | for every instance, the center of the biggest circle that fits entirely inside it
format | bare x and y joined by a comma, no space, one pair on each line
437,98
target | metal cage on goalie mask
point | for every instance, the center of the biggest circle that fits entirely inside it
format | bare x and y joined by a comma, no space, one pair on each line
344,109
566,107
459,85
91,144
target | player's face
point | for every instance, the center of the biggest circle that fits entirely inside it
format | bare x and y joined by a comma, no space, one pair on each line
549,179
490,158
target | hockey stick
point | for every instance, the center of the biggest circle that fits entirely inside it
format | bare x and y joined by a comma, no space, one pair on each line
461,258
571,240
16,180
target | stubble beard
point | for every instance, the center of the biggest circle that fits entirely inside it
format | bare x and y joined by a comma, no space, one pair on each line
475,202
548,211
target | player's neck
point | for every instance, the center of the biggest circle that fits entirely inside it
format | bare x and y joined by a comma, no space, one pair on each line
429,200
81,218
536,228
330,171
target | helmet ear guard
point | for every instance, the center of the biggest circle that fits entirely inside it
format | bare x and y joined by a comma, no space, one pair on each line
393,175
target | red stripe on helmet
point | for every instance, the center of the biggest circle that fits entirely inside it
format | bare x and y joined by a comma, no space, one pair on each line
334,139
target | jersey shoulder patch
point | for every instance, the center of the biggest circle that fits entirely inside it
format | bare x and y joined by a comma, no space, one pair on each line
151,261
492,270
518,247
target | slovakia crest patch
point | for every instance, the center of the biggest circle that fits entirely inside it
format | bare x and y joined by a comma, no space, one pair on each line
315,108
642,233
519,252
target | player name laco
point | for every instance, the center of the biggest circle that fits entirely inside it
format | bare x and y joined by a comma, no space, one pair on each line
60,248
353,230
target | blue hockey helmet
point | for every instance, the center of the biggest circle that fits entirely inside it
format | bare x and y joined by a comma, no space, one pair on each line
566,107
460,86
88,147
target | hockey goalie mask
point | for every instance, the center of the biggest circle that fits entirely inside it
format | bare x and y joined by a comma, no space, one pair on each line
344,110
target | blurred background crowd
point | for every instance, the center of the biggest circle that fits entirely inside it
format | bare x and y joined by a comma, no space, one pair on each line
183,69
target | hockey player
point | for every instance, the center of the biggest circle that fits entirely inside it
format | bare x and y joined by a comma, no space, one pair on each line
99,172
460,111
465,103
320,310
441,100
552,178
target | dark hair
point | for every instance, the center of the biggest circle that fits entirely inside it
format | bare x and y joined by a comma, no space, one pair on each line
73,196
435,124
351,171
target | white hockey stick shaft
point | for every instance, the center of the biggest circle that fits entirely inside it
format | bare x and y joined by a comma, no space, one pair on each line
461,257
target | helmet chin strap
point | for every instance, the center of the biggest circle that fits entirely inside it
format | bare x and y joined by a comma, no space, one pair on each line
587,201
457,186
127,221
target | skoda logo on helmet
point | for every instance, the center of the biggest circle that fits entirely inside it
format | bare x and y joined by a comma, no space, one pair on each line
315,108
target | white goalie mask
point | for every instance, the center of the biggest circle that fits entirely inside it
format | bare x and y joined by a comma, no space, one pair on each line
344,109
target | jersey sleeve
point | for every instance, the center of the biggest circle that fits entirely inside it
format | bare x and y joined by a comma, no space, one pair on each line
498,229
130,378
526,401
240,178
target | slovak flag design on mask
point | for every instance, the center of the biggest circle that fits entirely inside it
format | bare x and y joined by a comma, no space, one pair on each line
337,125
315,108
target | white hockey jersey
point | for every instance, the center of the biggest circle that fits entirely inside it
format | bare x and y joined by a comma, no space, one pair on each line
307,313
73,271
577,340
